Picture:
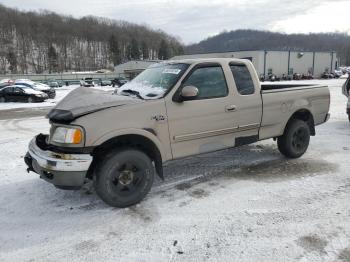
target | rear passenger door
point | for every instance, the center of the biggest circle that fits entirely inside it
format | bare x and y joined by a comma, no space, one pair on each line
248,102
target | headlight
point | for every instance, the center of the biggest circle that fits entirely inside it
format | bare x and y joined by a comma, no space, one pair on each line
66,135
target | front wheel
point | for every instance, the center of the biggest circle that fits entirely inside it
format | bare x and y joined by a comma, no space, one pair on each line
30,100
2,100
295,140
124,177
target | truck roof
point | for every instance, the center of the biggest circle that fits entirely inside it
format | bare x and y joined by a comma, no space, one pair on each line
205,60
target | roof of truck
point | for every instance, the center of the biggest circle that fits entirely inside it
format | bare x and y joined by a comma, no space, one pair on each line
205,60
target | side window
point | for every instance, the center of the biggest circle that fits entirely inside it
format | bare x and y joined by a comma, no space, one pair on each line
8,90
243,79
210,81
17,90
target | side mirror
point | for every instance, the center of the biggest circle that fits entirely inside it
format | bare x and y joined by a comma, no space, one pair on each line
189,93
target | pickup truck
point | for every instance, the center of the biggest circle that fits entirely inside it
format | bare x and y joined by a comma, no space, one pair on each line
172,110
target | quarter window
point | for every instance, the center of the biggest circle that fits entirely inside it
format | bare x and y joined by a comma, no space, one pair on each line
243,79
210,81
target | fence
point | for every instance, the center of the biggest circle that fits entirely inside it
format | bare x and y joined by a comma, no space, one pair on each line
66,77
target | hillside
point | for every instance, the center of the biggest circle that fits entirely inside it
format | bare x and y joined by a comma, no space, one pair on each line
253,39
37,42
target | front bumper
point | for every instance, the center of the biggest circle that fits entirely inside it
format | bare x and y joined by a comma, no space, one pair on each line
65,170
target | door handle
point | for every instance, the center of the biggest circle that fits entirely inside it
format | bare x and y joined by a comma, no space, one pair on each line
231,108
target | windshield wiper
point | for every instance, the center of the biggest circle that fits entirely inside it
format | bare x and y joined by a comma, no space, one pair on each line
133,92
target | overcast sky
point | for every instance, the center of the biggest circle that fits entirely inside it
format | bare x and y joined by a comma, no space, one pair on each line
195,20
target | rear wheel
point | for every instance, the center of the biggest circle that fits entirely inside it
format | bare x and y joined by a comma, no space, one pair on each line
124,177
2,100
30,100
295,140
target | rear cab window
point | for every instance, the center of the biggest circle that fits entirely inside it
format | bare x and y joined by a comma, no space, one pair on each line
243,79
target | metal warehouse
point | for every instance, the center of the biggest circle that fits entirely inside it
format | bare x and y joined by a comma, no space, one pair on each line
269,62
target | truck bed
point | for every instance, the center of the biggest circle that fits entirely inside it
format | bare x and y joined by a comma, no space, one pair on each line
268,87
280,101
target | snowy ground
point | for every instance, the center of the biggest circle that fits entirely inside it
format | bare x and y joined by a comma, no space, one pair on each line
243,204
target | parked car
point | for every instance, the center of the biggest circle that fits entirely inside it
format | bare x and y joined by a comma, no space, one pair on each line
37,86
119,81
6,82
106,83
346,92
87,82
170,111
326,75
54,83
20,93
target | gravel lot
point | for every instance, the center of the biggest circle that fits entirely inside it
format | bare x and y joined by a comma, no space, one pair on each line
242,204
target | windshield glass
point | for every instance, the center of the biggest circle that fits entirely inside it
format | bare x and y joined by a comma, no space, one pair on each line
155,81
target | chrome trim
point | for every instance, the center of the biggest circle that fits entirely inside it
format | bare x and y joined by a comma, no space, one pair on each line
224,131
58,161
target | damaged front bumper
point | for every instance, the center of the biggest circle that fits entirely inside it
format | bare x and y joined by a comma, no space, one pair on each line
60,169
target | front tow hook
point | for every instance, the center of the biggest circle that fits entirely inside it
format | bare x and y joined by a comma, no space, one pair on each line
28,160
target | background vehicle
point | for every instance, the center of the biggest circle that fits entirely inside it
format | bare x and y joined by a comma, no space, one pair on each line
37,86
20,93
346,92
105,83
119,81
54,83
170,111
87,82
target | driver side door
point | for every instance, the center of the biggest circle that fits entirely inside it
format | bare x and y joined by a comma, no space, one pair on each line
205,123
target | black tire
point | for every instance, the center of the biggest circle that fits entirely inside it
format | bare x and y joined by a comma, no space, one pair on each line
124,177
295,140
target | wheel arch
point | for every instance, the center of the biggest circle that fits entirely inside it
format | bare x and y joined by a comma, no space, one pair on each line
304,115
137,141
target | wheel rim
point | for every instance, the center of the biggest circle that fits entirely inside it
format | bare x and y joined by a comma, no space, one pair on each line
127,179
30,100
2,99
299,139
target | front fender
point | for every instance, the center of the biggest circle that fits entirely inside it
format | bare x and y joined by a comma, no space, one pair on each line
132,131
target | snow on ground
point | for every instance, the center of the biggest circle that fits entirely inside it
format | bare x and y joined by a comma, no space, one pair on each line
243,204
61,92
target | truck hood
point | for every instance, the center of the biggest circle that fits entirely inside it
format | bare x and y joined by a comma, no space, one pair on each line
83,101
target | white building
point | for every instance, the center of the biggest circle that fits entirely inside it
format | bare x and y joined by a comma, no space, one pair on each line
280,62
132,68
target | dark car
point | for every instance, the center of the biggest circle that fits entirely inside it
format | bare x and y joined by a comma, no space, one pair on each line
119,81
19,93
106,83
37,86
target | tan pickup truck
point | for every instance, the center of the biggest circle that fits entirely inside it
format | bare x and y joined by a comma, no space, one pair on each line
172,110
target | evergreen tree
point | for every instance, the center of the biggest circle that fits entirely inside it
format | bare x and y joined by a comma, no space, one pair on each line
163,51
114,50
144,50
12,59
134,49
53,59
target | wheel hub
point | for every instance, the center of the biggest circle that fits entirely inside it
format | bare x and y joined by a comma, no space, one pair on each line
126,177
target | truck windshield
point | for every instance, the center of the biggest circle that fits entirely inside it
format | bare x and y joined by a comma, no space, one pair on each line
155,81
